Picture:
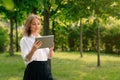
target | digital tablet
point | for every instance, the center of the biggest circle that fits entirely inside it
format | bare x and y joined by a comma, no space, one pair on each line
47,41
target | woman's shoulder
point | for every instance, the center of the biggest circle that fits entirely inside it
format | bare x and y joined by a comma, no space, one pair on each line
23,38
27,39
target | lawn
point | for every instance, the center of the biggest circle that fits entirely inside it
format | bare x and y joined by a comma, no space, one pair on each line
66,66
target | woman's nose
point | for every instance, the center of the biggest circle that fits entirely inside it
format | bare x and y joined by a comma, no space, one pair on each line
36,25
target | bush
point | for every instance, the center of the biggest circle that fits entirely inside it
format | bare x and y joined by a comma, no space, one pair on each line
111,39
3,39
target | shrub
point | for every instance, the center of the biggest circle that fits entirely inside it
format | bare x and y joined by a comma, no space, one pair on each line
3,39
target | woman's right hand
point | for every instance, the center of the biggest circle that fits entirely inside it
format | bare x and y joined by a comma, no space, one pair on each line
36,45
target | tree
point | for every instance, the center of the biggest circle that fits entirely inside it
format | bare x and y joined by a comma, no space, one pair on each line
101,9
78,9
7,9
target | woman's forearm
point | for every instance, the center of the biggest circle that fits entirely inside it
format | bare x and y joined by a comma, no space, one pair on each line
36,45
30,54
51,53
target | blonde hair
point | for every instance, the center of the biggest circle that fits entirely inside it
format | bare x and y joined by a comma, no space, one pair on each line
27,24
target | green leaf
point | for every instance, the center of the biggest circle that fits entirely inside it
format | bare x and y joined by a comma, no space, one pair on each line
8,4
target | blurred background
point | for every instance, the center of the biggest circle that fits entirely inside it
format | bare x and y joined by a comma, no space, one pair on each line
78,25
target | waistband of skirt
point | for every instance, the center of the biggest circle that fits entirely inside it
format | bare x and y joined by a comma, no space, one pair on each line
39,62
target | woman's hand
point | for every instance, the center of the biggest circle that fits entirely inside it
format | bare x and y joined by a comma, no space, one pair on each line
52,47
36,45
51,52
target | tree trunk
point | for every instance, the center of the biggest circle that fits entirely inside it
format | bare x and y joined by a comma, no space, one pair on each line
81,47
11,37
16,36
34,10
53,32
46,24
98,46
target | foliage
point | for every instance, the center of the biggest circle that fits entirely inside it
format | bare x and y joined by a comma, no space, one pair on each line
61,38
89,35
3,39
110,36
74,38
9,6
66,13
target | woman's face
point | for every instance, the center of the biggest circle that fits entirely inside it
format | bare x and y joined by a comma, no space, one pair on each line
35,26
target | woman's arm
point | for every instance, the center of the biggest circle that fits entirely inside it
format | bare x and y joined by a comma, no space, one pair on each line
51,52
36,45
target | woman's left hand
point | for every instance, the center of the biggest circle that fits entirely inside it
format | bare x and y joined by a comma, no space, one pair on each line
51,52
52,47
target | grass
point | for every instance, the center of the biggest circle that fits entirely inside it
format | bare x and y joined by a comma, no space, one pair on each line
66,66
11,68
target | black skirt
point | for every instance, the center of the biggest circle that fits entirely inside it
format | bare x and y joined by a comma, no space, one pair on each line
37,70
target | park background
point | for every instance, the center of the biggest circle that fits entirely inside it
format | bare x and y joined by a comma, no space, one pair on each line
87,37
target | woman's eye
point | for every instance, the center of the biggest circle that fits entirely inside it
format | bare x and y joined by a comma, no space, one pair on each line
36,24
33,24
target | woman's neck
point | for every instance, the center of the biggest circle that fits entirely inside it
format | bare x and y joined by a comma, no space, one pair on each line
35,34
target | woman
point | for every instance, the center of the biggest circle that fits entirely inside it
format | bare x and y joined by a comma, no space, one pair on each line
35,58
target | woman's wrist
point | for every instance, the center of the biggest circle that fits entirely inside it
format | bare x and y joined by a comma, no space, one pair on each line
51,52
29,56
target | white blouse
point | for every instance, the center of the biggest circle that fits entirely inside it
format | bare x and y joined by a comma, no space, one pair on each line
26,44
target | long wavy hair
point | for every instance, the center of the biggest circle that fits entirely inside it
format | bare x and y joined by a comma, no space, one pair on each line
27,24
